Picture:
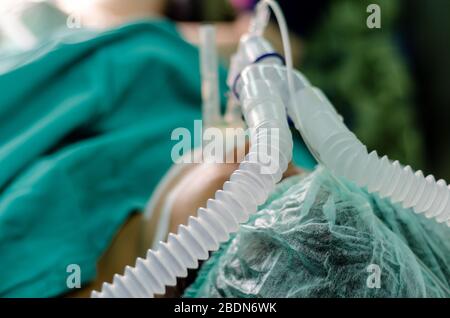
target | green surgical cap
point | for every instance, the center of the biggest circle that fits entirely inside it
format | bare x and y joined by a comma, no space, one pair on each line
319,236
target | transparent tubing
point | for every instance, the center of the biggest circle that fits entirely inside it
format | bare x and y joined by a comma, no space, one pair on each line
248,187
210,76
286,46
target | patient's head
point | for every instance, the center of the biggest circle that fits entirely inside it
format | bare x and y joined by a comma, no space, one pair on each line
319,237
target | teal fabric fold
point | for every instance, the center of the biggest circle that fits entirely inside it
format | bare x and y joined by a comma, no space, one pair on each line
85,136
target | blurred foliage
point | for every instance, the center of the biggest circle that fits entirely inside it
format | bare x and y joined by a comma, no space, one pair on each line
426,30
362,72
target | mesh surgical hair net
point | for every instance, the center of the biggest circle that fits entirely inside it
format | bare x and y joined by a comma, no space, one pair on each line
318,236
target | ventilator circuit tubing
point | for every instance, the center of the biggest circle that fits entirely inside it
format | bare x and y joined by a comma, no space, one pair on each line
248,187
340,150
